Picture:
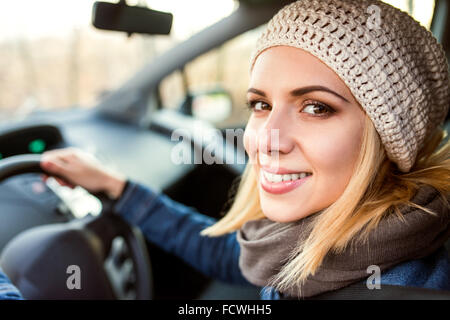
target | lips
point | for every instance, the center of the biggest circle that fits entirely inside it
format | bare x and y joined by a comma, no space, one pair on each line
281,187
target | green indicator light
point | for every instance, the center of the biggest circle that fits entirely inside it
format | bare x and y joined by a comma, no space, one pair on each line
36,146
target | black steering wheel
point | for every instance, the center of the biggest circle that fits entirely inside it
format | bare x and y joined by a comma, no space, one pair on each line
99,257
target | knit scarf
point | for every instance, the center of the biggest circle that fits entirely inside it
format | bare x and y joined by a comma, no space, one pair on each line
266,246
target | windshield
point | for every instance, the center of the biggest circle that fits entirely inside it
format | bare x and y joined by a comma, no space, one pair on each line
53,58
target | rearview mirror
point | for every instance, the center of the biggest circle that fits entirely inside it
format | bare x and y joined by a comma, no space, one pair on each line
130,19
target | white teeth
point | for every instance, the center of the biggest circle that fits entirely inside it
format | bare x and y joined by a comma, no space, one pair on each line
277,177
271,177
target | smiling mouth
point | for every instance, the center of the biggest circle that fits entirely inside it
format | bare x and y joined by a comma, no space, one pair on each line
282,183
273,177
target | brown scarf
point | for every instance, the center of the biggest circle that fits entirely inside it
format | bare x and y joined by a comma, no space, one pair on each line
266,245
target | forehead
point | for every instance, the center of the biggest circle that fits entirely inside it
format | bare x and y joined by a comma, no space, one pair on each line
293,67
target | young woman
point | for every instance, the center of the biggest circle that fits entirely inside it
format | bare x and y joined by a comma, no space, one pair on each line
348,166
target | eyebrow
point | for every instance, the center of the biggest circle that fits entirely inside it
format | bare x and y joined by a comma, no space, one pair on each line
301,91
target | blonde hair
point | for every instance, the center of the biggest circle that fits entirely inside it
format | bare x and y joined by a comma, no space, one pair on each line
375,189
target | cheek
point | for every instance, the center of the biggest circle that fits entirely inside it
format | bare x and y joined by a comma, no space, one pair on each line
334,152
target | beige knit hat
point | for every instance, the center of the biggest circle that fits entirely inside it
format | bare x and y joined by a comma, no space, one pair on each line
392,65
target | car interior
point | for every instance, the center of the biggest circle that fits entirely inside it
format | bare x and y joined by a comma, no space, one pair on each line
44,226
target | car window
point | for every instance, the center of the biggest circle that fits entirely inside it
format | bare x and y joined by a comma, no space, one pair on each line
223,69
51,57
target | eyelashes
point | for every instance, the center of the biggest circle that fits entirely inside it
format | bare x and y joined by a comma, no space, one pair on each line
324,109
252,105
310,106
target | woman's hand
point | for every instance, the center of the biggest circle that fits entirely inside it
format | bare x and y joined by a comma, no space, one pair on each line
74,167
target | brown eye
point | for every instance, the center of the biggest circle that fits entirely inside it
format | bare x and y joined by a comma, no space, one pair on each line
258,105
317,109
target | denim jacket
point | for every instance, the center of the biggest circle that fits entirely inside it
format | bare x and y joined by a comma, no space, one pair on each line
176,229
7,290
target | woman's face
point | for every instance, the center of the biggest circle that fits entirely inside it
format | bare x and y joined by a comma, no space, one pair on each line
305,121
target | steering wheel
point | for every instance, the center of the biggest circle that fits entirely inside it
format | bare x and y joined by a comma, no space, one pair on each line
99,257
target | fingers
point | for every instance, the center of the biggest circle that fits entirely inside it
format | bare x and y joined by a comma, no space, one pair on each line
64,155
73,167
59,157
54,166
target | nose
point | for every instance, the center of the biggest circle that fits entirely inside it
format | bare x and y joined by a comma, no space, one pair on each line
274,135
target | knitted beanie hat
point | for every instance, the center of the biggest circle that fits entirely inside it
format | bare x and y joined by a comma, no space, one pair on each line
393,66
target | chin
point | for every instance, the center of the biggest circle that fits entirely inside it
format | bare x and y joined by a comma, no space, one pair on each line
284,216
